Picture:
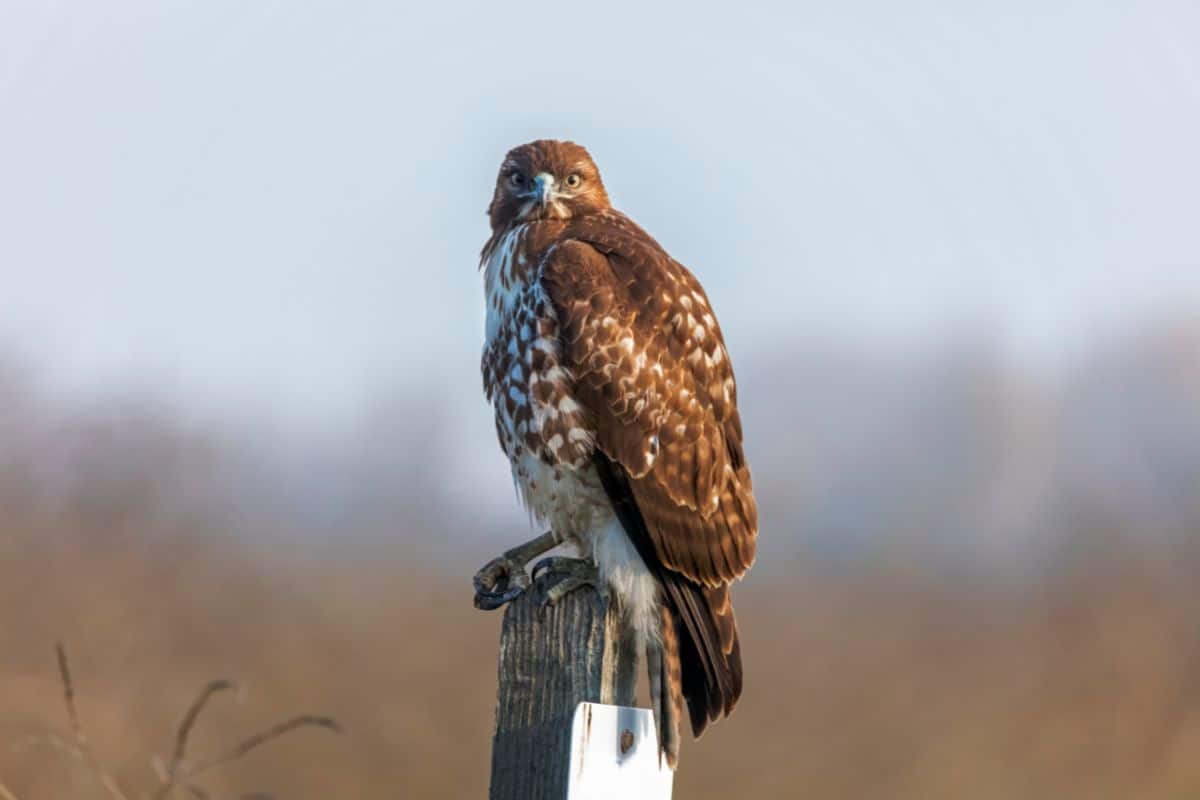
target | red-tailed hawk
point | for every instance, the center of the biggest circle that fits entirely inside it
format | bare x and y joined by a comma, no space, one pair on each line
616,404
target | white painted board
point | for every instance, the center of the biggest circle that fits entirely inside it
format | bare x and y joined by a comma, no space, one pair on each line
614,753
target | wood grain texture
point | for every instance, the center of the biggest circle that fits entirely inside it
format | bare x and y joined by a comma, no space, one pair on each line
552,659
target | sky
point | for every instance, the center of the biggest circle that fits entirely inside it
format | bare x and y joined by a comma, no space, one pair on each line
279,206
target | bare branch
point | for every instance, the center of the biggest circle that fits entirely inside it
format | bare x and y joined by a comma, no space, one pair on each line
81,742
64,671
185,730
274,732
173,775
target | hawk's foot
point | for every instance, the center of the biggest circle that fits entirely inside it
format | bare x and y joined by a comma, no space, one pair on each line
557,576
500,581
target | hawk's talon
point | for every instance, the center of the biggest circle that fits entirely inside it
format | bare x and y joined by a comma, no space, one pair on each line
556,564
500,581
557,576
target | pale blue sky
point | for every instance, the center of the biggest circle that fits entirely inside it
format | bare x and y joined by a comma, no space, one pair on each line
280,204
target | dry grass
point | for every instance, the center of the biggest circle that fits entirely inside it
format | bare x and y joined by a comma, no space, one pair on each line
871,687
178,776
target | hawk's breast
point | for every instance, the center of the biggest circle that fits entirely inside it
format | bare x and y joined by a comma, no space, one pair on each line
541,427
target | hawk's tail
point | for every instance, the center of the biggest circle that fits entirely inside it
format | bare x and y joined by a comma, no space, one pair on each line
666,686
709,650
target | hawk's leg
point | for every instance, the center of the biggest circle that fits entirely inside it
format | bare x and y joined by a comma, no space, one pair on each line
503,579
563,576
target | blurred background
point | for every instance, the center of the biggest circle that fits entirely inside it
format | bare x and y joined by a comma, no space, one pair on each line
956,256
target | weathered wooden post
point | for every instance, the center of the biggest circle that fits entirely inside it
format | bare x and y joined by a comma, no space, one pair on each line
547,746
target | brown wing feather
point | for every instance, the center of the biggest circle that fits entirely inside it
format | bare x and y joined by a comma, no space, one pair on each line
651,371
651,368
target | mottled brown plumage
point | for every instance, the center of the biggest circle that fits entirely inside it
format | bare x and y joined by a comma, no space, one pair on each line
614,395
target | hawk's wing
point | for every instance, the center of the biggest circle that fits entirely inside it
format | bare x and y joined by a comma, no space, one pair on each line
651,370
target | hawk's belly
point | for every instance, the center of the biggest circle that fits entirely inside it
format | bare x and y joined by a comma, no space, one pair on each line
569,501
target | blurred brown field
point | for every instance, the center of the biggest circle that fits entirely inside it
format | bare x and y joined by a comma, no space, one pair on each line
1082,684
972,583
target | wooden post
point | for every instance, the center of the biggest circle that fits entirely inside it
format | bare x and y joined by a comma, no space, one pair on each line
551,660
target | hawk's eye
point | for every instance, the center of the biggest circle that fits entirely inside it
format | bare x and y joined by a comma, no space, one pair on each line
573,180
516,179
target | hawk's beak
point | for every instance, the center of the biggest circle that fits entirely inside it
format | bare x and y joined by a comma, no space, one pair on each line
544,188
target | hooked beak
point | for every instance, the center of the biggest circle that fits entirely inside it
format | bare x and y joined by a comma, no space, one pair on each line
544,189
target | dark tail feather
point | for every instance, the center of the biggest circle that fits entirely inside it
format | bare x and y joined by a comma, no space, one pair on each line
711,660
666,688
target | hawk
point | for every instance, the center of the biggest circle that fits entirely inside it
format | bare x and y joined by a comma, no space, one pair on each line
616,404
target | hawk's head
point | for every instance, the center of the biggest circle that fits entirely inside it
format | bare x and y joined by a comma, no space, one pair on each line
546,179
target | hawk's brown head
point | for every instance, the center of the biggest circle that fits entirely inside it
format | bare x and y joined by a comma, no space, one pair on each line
546,179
